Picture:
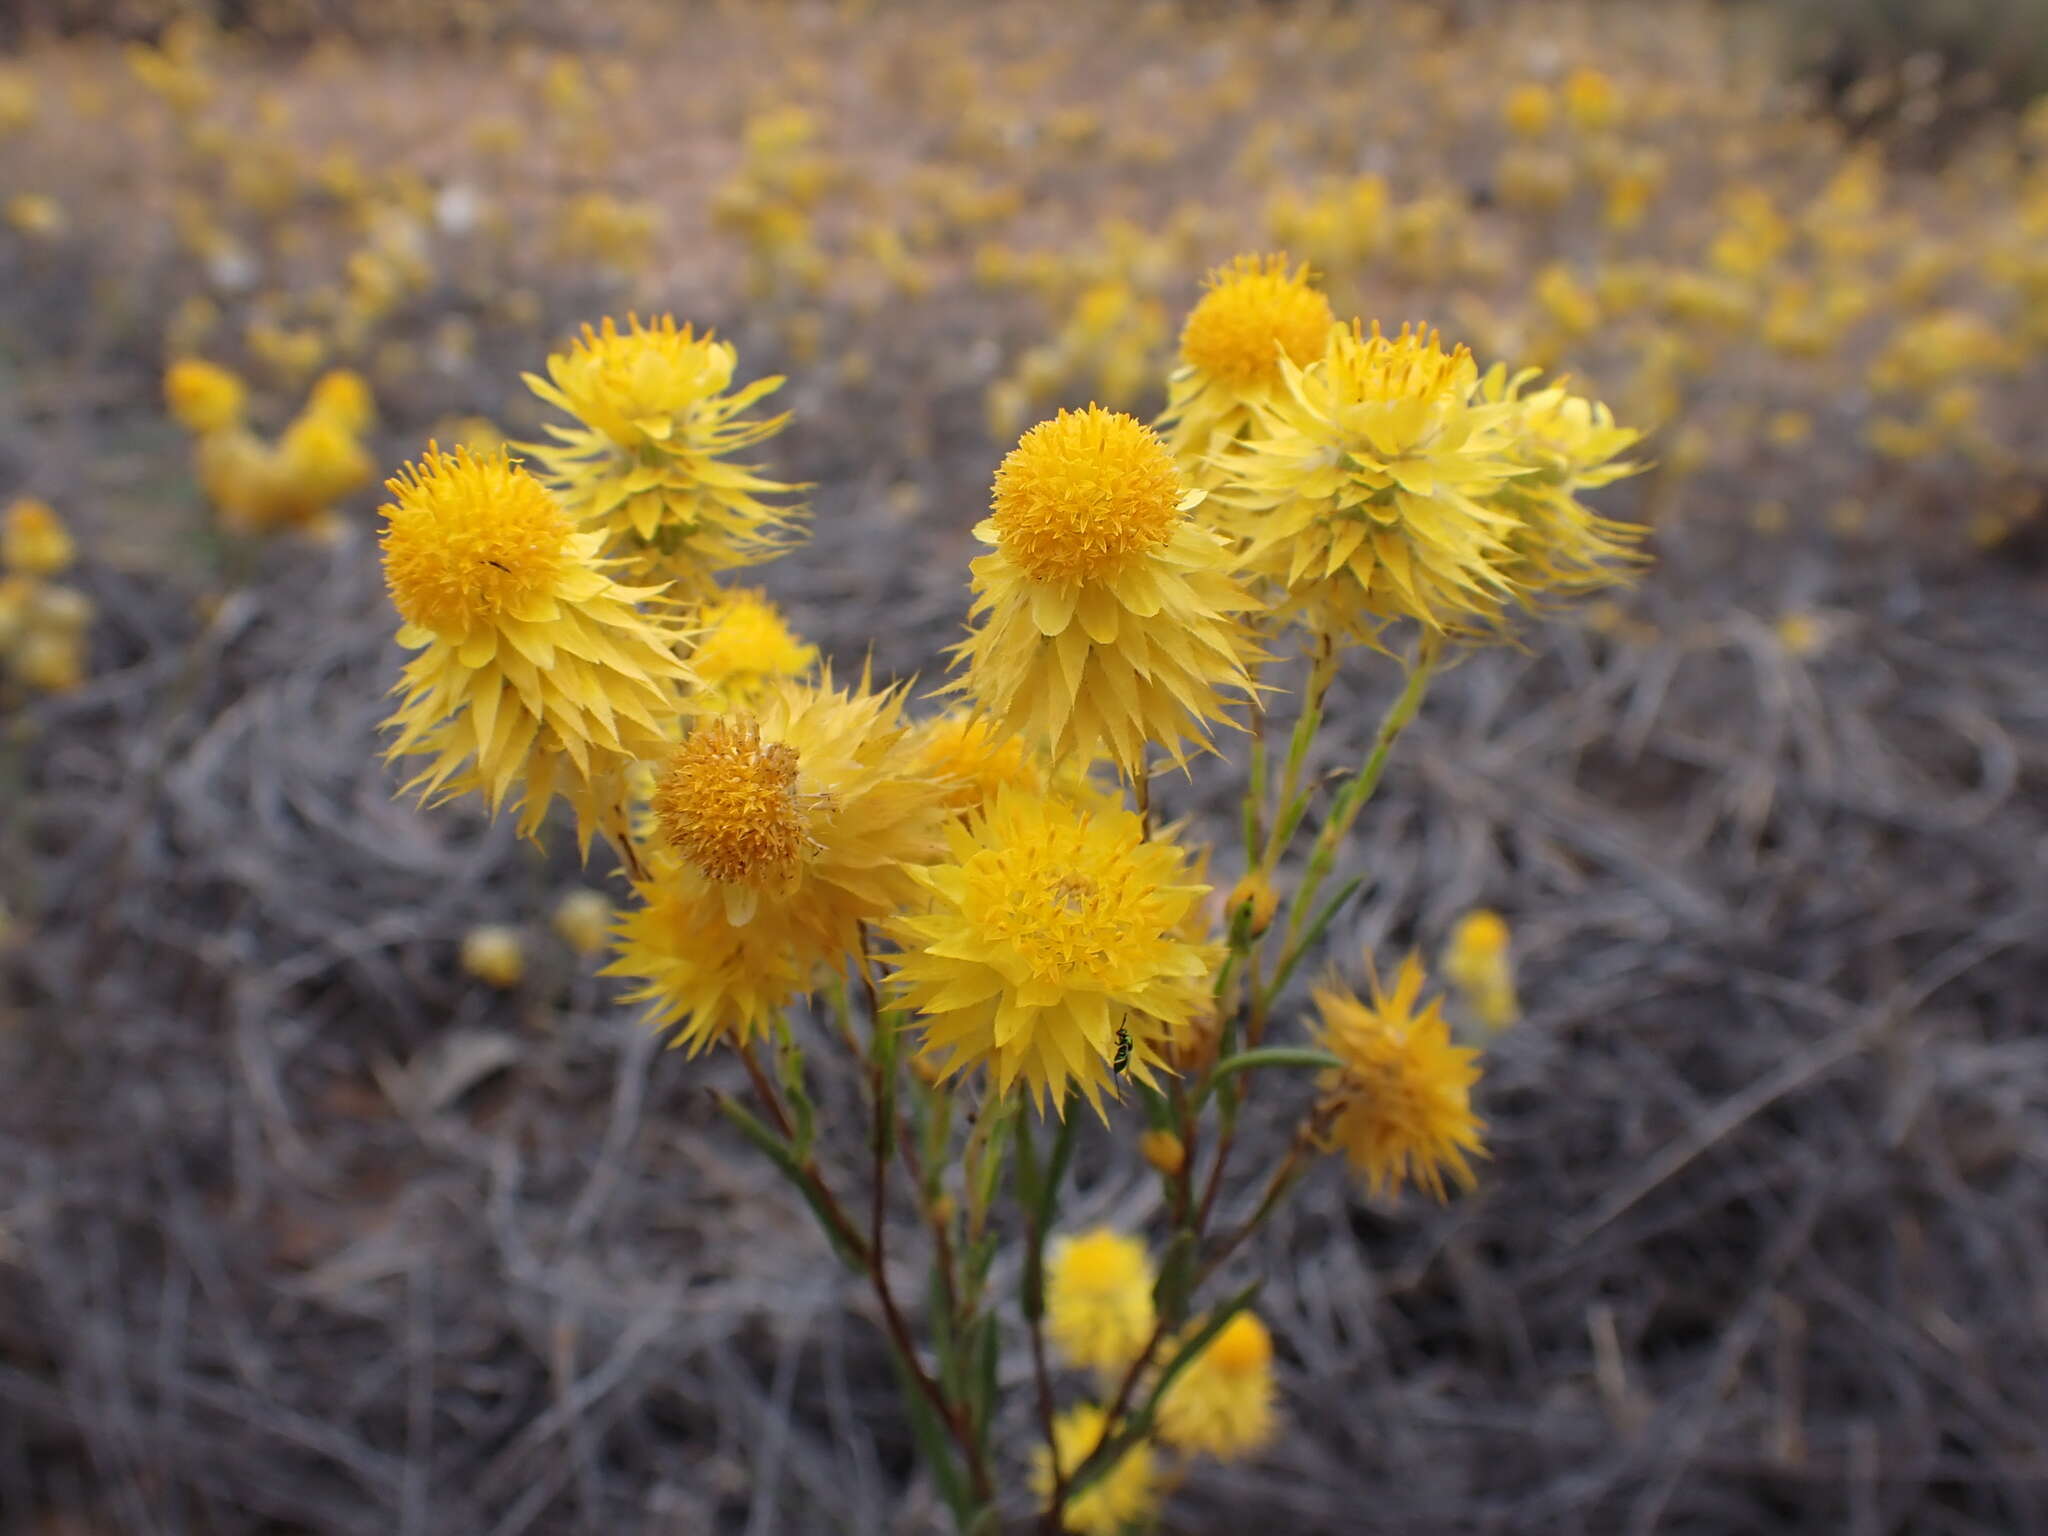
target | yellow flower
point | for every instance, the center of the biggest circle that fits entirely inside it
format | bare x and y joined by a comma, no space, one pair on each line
1368,490
342,396
1121,1500
694,968
1400,1105
1254,313
646,463
493,955
1590,99
50,660
536,673
1565,444
1047,931
1106,619
319,463
37,215
1529,109
583,918
203,396
1221,1403
1098,1300
1477,964
780,835
746,643
976,757
33,540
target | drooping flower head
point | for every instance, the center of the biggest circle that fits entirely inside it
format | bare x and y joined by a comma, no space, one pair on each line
1221,1403
536,674
1105,618
1046,931
646,462
1400,1106
744,644
1098,1300
1254,313
778,835
1368,489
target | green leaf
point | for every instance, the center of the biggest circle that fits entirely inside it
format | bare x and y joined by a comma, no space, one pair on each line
1312,937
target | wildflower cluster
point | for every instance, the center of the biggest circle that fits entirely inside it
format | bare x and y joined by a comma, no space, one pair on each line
259,485
977,913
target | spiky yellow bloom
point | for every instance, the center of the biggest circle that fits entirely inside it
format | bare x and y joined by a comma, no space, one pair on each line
1369,487
1567,444
1477,964
744,644
33,539
976,757
203,396
646,463
1124,1499
1106,619
537,674
1046,931
694,968
1400,1106
1254,313
1221,1403
1098,1300
780,835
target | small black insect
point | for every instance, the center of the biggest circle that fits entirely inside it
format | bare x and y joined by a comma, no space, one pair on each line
1122,1058
499,564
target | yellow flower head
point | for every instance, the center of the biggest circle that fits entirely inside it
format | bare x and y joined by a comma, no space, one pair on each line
203,396
342,396
1565,444
1368,490
645,463
1400,1105
319,463
1476,962
536,673
1107,618
493,954
1124,1499
1529,109
1221,1403
727,802
33,539
1046,931
583,918
1098,1300
780,836
976,757
1255,312
746,642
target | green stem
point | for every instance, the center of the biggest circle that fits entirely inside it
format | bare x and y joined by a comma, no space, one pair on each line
1352,798
1290,805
